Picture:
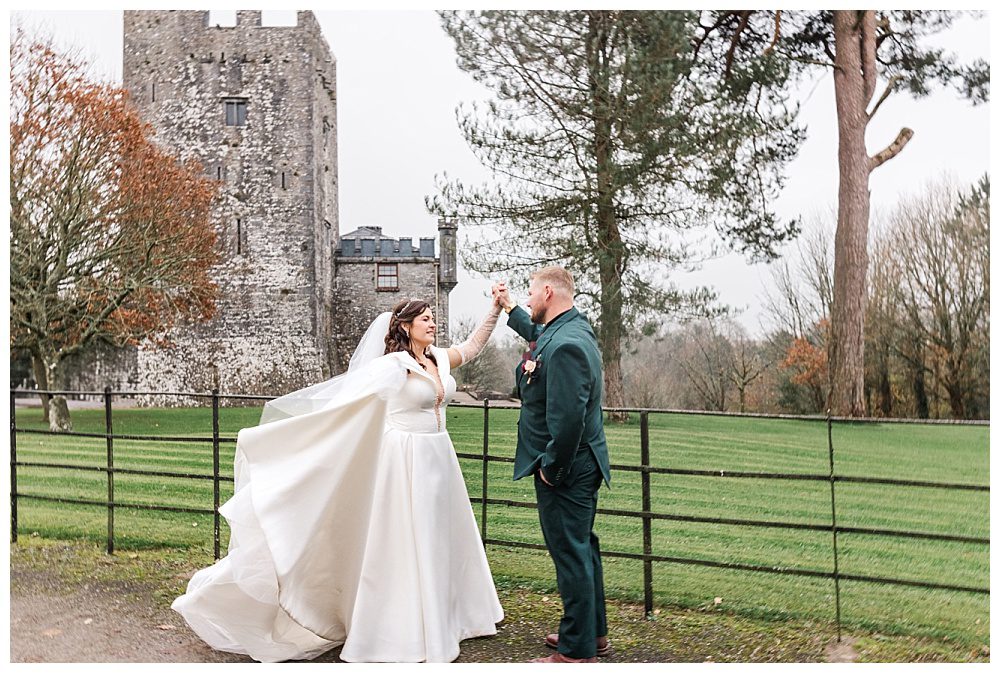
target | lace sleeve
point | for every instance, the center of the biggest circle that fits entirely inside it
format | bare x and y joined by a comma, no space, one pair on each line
474,345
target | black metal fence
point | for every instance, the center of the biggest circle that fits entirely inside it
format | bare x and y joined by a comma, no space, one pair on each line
645,468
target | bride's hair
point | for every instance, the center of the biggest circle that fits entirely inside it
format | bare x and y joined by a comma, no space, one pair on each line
397,340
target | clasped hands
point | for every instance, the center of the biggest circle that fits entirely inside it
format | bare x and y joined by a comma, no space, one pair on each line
501,295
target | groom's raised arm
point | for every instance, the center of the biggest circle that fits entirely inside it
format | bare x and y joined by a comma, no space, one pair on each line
519,321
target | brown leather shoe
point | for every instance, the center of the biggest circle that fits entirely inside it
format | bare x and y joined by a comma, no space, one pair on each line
603,646
559,658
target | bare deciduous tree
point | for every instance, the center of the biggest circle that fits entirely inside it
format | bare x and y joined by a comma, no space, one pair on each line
942,251
706,361
882,333
745,366
803,282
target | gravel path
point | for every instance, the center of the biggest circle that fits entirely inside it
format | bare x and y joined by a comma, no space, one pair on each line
70,602
105,622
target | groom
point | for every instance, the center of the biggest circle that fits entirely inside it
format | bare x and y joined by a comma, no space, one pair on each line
560,439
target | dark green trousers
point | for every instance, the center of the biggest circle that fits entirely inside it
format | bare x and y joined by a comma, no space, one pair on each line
567,517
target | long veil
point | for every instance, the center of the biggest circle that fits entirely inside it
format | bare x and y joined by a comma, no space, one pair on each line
359,379
302,485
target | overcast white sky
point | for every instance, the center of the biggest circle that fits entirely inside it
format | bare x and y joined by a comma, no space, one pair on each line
398,87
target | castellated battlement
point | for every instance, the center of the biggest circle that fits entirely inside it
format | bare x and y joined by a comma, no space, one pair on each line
191,20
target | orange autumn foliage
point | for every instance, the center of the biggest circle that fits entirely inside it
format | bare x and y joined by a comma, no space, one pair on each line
110,235
808,360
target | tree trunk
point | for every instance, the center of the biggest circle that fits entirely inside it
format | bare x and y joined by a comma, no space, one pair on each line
853,87
920,393
610,335
59,420
819,398
884,389
956,398
611,253
42,383
954,384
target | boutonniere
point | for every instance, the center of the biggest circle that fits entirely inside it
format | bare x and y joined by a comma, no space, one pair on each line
530,367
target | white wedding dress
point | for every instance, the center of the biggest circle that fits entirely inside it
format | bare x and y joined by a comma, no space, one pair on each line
350,524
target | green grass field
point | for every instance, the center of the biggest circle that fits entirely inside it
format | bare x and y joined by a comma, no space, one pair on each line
921,452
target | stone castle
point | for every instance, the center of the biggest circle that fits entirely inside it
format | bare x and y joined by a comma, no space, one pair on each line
257,106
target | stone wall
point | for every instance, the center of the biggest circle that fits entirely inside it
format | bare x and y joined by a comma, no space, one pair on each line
104,366
326,184
359,302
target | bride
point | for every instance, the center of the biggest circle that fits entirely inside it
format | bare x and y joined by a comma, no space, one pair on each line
350,521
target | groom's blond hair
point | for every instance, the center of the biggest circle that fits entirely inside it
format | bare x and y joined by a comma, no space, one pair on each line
559,278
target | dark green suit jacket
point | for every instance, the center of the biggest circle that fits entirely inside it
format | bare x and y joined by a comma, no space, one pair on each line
561,420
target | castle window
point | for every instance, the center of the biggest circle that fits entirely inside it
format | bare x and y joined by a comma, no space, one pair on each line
236,112
388,278
239,236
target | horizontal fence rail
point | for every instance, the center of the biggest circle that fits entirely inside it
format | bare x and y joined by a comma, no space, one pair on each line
215,440
109,435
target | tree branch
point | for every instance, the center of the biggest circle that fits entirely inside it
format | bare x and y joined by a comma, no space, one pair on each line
777,33
893,81
892,150
735,41
698,42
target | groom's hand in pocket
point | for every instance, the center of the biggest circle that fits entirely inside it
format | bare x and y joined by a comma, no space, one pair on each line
541,473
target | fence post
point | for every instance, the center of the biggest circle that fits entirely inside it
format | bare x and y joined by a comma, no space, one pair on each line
215,470
13,470
833,523
111,470
647,523
486,464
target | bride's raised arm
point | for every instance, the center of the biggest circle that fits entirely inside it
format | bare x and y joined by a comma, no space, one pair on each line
471,347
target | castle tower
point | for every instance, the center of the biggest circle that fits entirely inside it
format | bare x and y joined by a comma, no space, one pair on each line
447,272
257,106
